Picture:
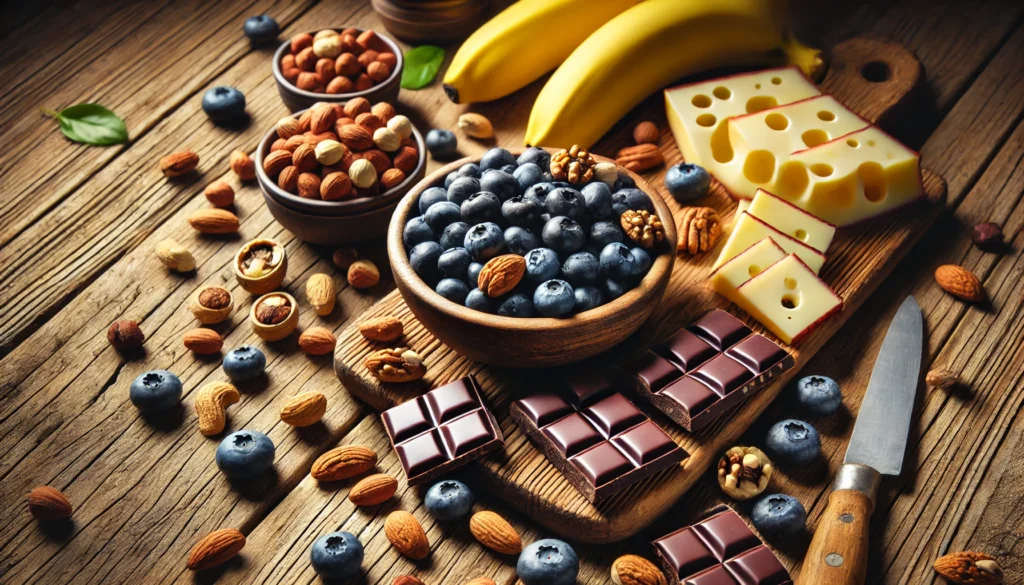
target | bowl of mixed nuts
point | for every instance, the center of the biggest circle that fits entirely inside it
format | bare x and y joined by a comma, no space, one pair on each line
336,65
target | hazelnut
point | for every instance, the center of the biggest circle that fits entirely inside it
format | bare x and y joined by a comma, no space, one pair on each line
988,236
386,139
388,58
307,81
306,59
363,82
327,47
301,41
325,70
242,165
349,44
344,257
362,173
219,193
401,126
340,85
744,472
125,334
329,152
384,111
367,57
378,71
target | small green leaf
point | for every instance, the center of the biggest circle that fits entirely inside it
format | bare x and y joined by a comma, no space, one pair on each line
421,66
91,124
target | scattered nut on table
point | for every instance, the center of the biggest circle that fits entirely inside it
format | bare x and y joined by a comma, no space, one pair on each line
744,472
395,365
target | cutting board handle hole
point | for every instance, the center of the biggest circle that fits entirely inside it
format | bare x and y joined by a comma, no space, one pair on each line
876,71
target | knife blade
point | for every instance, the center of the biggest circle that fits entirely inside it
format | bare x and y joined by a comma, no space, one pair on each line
838,552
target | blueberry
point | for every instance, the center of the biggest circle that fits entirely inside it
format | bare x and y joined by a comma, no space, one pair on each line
496,158
521,211
819,395
581,268
631,198
461,188
624,181
223,104
454,263
603,233
245,454
244,363
441,214
641,261
778,516
454,235
548,562
508,169
554,298
542,264
535,155
516,305
587,297
484,241
450,178
338,555
448,500
597,198
423,257
480,207
155,390
453,289
417,231
539,192
793,441
563,235
617,261
687,182
470,170
565,201
261,29
474,272
611,289
502,184
528,175
431,196
442,144
478,301
520,240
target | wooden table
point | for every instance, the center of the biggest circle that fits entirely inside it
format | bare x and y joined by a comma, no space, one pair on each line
78,224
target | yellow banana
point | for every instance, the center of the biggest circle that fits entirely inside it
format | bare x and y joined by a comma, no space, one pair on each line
522,43
644,49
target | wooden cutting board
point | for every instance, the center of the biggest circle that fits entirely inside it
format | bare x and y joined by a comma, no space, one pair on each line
870,76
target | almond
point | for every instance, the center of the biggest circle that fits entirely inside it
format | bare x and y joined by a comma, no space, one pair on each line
342,463
373,490
384,328
941,378
203,341
960,282
973,568
378,71
241,164
501,274
216,548
634,570
388,58
321,293
383,110
356,106
287,127
363,274
406,159
308,185
392,178
407,580
476,125
219,193
335,187
276,161
340,85
645,133
289,179
179,163
322,119
304,158
640,158
370,121
308,81
495,533
406,535
304,410
214,221
317,341
355,137
47,503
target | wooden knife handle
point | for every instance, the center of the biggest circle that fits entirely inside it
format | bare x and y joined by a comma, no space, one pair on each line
838,554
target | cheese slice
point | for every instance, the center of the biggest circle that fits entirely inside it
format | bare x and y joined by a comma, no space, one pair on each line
763,140
788,299
852,178
741,206
697,112
748,230
791,220
747,264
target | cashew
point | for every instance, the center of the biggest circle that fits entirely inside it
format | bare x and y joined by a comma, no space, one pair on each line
211,405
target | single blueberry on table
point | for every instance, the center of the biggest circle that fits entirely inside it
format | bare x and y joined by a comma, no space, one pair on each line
603,233
431,196
474,272
565,201
548,562
554,298
587,297
244,363
461,188
245,454
819,395
611,289
778,516
261,29
528,175
521,211
581,268
563,235
502,184
535,155
448,500
453,289
454,235
470,170
597,200
484,241
520,240
793,442
480,207
478,301
542,264
155,390
496,158
454,263
423,257
617,261
338,555
442,144
441,214
641,261
687,182
224,104
417,231
516,305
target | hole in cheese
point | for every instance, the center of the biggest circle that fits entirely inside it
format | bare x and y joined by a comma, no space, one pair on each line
821,169
701,101
790,283
722,92
814,137
871,142
793,180
757,86
706,120
754,270
721,146
790,302
872,176
759,166
800,235
838,194
826,116
776,81
852,143
761,102
776,121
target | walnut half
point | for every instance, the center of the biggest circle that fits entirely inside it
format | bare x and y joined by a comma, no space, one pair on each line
744,472
395,365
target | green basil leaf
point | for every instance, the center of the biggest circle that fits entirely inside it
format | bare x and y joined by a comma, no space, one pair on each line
91,124
421,66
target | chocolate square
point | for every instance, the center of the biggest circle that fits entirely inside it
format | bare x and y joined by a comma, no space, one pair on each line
644,443
686,350
720,329
758,566
655,371
572,434
757,353
692,395
723,374
614,415
602,464
545,409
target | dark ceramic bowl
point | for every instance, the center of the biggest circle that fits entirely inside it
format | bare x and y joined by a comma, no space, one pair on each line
331,230
527,342
299,99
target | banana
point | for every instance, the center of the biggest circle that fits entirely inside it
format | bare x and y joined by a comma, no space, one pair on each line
522,43
644,49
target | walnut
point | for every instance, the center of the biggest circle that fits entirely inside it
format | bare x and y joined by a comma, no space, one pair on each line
699,231
575,165
643,227
395,365
273,310
744,472
214,297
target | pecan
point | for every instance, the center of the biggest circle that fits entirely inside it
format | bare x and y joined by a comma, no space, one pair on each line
744,472
643,227
395,365
273,310
639,158
574,165
699,230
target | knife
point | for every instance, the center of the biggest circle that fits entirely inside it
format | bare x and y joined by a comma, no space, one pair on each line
838,553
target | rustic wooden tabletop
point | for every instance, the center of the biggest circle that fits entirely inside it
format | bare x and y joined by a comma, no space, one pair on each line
78,225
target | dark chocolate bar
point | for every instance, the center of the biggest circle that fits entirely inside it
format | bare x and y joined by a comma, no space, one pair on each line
719,550
597,438
707,368
442,430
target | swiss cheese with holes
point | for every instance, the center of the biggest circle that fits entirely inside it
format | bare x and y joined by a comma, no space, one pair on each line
791,220
744,266
748,230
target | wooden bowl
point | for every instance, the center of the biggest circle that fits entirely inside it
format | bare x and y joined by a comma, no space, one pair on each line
300,99
437,21
534,342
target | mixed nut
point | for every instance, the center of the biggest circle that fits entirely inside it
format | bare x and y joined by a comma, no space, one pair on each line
338,61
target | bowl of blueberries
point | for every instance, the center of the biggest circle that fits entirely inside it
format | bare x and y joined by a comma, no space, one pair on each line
515,261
